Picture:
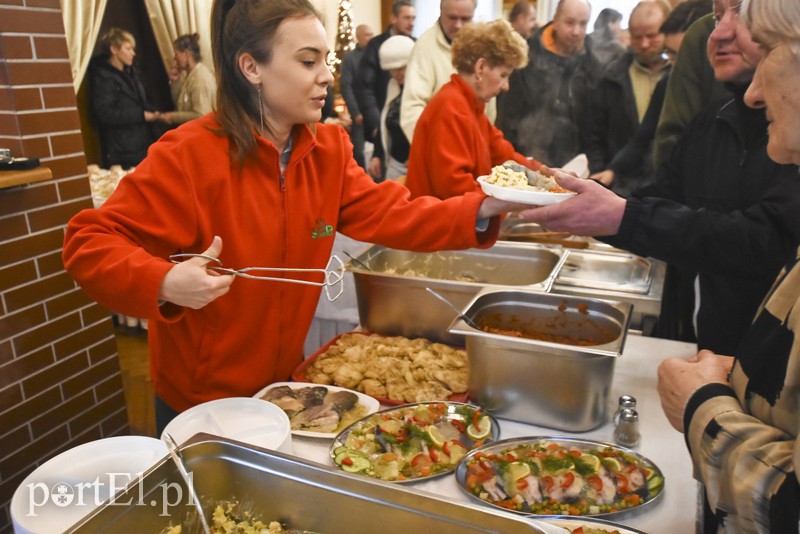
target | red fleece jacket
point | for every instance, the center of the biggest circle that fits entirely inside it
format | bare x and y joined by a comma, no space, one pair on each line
186,191
454,144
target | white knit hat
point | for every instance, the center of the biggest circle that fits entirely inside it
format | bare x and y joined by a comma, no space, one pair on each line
395,51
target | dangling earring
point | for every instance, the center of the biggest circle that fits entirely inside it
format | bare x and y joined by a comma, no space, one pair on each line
260,109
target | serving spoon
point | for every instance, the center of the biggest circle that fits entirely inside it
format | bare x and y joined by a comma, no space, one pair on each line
176,456
466,319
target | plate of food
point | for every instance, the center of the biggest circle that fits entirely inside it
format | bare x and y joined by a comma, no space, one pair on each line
394,370
513,182
317,411
586,525
561,476
413,442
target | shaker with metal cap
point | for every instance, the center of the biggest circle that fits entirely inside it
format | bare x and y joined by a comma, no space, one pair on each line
626,432
625,401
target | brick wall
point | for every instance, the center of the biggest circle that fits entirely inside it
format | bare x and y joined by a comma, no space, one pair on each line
60,382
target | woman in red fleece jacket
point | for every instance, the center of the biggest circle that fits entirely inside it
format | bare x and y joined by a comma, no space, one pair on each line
454,142
262,177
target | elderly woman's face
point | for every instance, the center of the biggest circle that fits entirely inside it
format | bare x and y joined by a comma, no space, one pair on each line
493,80
774,87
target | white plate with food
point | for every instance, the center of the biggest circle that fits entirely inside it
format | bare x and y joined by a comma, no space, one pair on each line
318,411
413,442
560,475
586,525
522,194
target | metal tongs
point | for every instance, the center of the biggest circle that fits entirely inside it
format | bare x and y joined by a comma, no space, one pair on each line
175,453
333,273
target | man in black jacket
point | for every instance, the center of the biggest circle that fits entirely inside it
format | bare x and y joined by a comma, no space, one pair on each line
119,103
371,79
720,212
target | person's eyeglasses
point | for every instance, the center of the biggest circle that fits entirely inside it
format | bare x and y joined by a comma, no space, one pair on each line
734,9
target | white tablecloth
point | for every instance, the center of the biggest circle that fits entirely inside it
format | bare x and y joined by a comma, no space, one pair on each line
634,374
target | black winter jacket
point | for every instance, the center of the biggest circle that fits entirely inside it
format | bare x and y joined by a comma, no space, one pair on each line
543,114
370,86
614,121
722,210
118,104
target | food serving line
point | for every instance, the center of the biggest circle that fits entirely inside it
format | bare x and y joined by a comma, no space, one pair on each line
634,374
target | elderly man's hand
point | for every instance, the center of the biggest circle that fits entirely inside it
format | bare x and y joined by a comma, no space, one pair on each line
595,210
678,378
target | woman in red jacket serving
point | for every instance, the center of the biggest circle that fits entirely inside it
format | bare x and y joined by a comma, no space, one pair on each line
454,142
262,178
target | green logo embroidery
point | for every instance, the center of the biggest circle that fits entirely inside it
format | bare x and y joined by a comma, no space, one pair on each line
322,230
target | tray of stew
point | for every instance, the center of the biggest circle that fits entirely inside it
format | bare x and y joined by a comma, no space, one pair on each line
413,441
559,475
392,369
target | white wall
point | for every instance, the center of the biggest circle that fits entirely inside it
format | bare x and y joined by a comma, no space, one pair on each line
428,12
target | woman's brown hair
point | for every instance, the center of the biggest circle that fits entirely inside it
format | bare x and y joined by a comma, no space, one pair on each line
239,27
189,42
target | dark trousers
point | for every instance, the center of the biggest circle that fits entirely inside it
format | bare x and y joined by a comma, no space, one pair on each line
164,414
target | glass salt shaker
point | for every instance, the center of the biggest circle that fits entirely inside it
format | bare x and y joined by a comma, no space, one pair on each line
625,401
626,432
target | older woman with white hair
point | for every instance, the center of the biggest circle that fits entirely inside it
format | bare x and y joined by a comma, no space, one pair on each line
740,416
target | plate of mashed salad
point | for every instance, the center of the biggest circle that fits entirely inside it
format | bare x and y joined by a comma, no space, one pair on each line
519,184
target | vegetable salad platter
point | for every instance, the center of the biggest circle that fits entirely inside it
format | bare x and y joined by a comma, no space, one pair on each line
564,476
413,441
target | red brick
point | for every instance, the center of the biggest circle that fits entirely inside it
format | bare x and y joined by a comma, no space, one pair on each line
67,167
51,47
59,97
36,72
16,439
110,413
91,377
7,99
77,188
46,334
16,47
53,375
38,451
3,74
36,147
80,340
12,143
54,4
66,303
62,413
44,122
50,263
19,368
10,396
30,21
13,323
58,215
17,274
39,291
6,355
29,247
95,314
67,143
9,126
12,228
105,349
20,413
27,98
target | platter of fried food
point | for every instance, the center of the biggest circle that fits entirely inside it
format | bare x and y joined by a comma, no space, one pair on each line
317,411
515,183
392,369
414,441
559,475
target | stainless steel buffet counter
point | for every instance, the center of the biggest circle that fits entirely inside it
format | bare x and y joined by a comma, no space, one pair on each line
635,374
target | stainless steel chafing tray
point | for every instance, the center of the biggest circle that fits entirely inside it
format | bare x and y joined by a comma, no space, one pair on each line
390,284
299,494
551,383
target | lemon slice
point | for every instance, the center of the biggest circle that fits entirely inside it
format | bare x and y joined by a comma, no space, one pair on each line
436,435
592,461
518,470
483,430
612,464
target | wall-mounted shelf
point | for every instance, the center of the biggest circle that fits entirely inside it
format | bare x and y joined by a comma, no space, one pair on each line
14,178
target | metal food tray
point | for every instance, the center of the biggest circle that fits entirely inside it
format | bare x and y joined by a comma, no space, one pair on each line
612,271
298,493
584,444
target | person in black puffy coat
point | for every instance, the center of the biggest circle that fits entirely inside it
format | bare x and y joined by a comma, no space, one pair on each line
119,104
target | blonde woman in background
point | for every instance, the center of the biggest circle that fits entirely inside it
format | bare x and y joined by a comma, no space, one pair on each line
191,82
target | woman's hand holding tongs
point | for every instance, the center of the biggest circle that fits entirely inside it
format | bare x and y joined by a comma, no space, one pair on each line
191,285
